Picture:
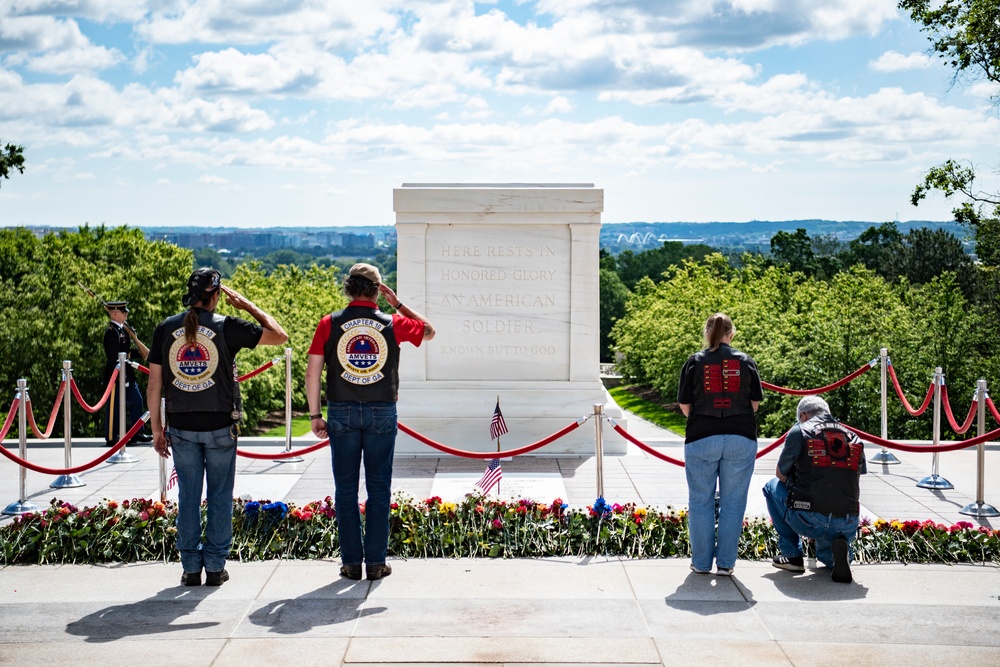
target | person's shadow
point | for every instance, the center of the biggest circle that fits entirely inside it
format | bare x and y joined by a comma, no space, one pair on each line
331,604
707,595
154,615
815,585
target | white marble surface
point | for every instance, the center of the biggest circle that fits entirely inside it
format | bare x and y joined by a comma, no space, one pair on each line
508,276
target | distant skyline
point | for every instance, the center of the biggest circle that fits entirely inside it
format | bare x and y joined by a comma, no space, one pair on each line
285,113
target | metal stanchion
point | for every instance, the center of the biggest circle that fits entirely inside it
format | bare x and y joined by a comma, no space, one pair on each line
599,446
884,456
22,506
934,480
980,508
67,481
163,461
122,456
288,409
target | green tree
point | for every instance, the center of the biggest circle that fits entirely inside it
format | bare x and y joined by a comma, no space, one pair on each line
966,34
794,251
297,298
45,317
614,294
11,157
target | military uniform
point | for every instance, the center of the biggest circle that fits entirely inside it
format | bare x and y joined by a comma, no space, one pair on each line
117,340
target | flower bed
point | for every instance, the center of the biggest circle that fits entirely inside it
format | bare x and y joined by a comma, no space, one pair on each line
143,530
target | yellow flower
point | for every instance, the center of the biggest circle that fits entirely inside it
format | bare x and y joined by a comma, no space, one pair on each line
447,508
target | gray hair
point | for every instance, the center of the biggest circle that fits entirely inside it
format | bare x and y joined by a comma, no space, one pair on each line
811,405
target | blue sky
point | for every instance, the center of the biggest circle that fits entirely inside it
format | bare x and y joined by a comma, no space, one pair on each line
254,113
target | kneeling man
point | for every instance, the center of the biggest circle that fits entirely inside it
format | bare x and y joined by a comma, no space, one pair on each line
816,492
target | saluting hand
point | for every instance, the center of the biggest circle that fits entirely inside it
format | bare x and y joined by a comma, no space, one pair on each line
235,299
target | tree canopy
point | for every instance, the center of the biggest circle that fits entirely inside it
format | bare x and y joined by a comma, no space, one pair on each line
11,158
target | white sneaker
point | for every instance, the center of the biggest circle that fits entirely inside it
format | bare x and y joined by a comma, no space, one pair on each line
724,571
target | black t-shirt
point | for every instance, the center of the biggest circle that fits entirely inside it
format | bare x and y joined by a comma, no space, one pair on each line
239,334
702,426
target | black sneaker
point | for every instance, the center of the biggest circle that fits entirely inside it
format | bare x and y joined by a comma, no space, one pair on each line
841,562
790,563
378,571
216,578
351,572
191,578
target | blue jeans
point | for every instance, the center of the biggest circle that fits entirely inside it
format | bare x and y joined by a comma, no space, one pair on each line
726,461
200,456
791,524
362,432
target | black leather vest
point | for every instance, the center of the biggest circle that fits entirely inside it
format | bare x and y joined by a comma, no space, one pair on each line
202,377
722,383
825,477
362,356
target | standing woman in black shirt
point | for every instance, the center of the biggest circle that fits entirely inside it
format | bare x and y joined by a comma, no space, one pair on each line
192,364
719,392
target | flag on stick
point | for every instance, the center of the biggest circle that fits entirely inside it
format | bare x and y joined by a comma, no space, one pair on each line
172,480
491,477
497,427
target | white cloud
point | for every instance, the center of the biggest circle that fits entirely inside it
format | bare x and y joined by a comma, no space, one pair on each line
96,10
332,23
208,179
893,61
76,61
559,105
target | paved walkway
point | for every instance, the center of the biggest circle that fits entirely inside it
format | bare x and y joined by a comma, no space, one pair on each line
562,611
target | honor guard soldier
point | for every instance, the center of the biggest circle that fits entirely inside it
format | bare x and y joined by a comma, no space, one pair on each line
118,337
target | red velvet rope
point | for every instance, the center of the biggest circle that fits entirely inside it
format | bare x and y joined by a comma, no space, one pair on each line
993,408
820,390
52,415
100,403
992,435
644,447
80,468
902,396
241,378
256,372
489,455
773,446
951,417
10,417
282,455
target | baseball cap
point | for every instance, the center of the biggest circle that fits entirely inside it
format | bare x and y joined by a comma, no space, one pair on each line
367,271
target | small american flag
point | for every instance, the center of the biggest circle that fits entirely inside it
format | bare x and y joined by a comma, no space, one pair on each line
491,477
497,426
173,479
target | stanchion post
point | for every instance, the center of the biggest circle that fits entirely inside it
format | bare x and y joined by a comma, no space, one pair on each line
884,456
934,480
122,456
980,508
22,506
599,446
67,481
288,409
163,461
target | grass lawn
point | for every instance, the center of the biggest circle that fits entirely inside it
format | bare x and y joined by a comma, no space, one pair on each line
300,426
643,401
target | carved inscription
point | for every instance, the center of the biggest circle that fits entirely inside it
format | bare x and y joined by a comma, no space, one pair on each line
506,304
